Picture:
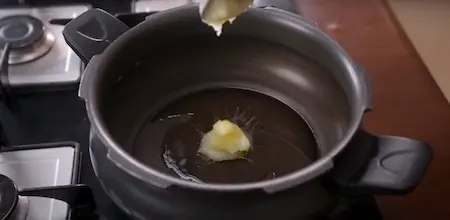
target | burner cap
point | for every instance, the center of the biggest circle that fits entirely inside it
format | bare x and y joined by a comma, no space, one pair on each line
20,30
8,197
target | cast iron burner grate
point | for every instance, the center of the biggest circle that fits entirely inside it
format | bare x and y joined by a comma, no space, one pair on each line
78,197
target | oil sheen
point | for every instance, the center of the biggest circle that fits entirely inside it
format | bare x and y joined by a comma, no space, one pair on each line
281,141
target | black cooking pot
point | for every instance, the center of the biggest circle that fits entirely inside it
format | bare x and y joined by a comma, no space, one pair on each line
133,74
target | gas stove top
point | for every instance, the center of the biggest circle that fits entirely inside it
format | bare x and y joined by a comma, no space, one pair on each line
39,56
46,131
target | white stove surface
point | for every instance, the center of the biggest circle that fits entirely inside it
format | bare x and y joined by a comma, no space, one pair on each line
40,168
60,65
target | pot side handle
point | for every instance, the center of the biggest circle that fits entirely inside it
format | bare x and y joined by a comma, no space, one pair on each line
378,165
92,32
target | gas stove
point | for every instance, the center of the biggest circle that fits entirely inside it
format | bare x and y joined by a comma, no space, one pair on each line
38,53
44,133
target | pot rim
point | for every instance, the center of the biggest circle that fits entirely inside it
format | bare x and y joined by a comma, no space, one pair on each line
155,177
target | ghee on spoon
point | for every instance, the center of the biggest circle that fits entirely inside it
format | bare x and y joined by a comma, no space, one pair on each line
216,12
226,141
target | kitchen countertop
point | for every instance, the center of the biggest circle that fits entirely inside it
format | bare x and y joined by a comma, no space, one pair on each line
406,100
426,25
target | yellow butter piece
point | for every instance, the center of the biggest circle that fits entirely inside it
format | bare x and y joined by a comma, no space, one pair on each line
216,12
226,141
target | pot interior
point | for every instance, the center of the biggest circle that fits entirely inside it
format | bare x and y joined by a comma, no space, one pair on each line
295,107
282,141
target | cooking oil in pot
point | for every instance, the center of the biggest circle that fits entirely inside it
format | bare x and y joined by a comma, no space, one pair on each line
281,142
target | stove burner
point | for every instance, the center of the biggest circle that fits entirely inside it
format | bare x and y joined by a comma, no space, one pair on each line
26,36
20,30
21,212
9,197
12,206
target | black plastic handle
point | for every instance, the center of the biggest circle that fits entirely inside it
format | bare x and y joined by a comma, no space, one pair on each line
92,32
132,19
380,165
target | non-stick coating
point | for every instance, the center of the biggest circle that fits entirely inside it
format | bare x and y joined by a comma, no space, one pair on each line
193,65
281,141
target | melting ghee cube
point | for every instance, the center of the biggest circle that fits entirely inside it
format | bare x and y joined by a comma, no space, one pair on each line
226,141
216,12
